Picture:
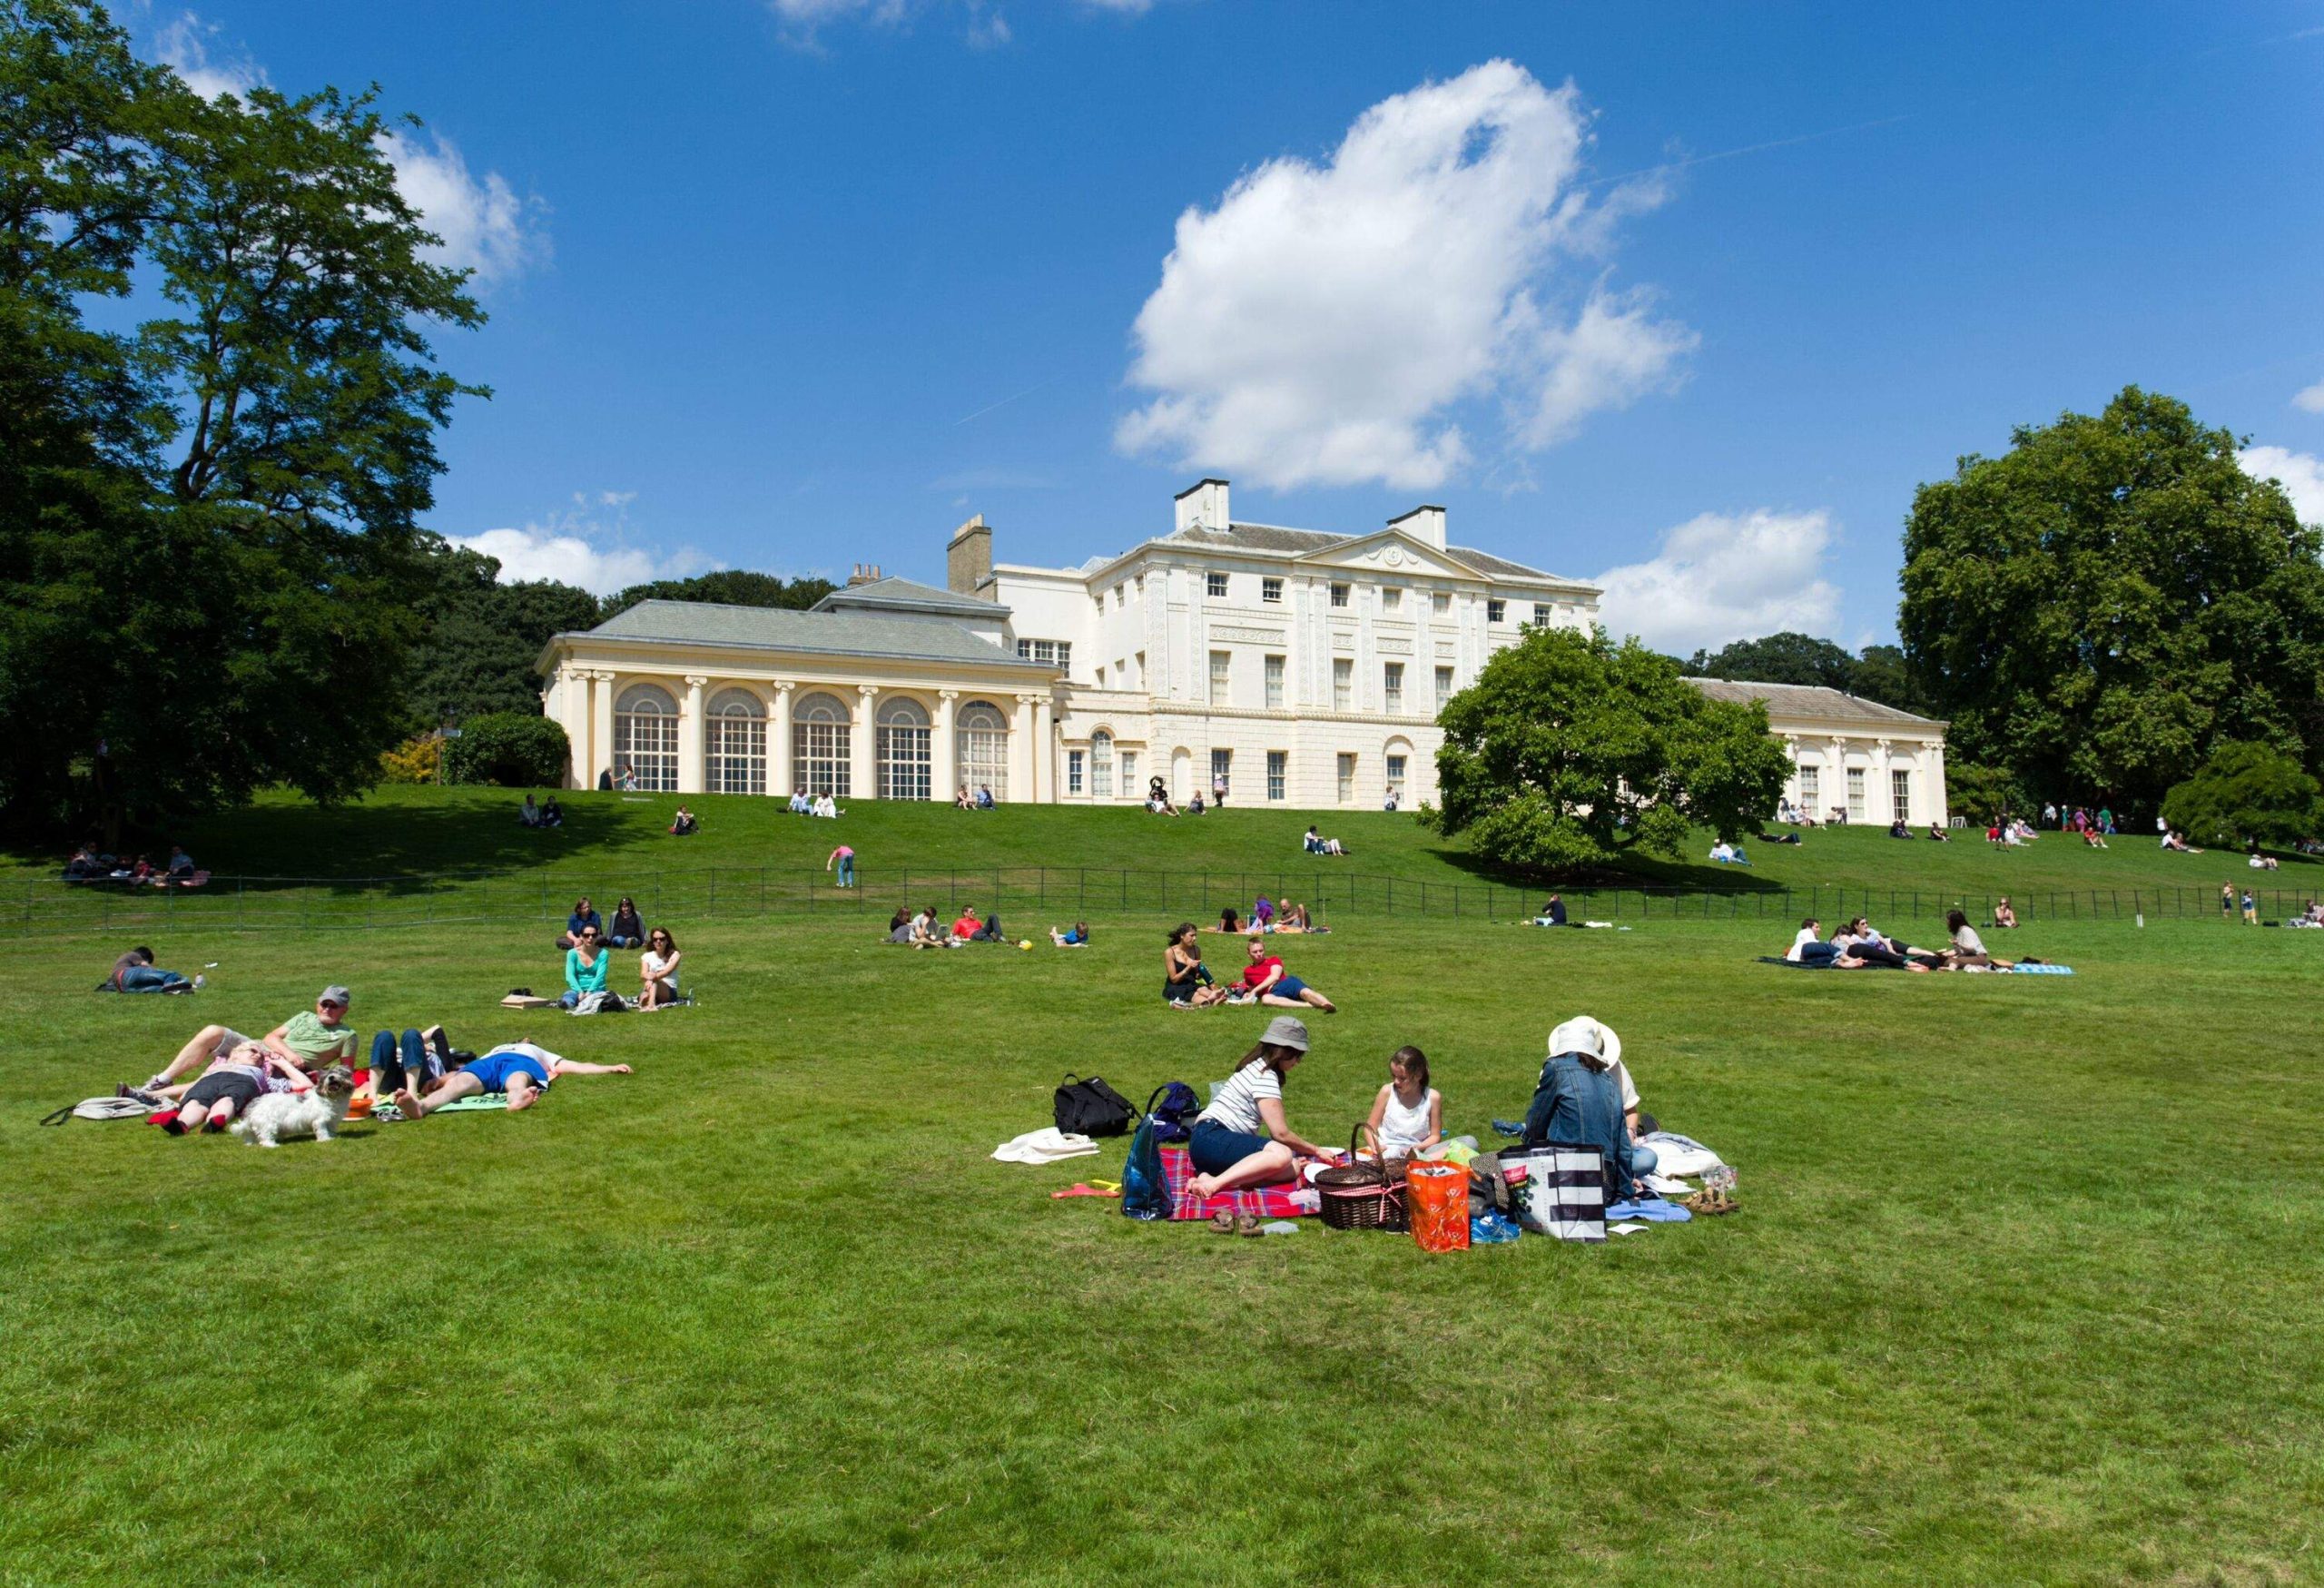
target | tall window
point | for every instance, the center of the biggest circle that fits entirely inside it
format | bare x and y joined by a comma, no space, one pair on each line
1121,597
1496,611
906,766
1348,778
1278,763
1540,614
1900,796
1214,586
735,747
1274,683
1129,774
1811,792
1439,602
1856,794
1392,686
1443,687
819,746
1343,683
1222,767
1220,662
1101,765
1271,591
646,738
1396,777
1392,599
1073,772
1339,595
984,748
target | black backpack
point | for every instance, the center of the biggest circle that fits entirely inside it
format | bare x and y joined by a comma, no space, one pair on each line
1091,1108
1173,1114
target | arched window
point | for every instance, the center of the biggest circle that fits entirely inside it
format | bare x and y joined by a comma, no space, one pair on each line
984,748
734,743
646,739
1101,765
819,745
907,760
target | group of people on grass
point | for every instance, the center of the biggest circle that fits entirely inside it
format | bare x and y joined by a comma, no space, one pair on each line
981,800
589,944
220,1072
1187,982
803,803
545,812
1268,915
926,931
1582,1096
1858,946
88,864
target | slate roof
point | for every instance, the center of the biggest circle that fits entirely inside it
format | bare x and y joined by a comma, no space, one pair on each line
1794,700
1275,537
855,633
910,594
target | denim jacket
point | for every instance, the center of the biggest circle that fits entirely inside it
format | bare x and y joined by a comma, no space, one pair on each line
1580,1105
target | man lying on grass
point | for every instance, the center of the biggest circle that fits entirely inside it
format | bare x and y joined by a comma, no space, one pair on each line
310,1039
522,1069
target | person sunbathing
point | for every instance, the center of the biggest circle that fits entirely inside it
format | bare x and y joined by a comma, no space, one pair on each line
2005,917
1265,980
1075,937
236,1079
522,1069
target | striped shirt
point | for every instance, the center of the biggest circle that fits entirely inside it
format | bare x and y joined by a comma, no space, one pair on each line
1236,1102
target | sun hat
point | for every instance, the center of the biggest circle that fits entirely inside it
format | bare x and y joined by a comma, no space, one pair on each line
1284,1031
336,994
1587,1037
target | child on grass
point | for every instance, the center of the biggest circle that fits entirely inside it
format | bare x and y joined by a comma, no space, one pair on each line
1408,1116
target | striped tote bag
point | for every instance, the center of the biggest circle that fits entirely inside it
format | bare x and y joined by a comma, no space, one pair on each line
1565,1192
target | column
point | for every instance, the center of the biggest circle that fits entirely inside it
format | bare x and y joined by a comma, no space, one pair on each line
863,746
691,738
1791,780
1021,754
1879,774
778,751
1045,749
1939,805
1839,763
572,715
947,748
601,726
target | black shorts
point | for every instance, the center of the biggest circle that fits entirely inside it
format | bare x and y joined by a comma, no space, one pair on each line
238,1089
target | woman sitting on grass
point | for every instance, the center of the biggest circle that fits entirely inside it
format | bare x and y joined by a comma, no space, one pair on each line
1229,922
657,971
2005,917
628,928
1265,980
1187,981
1243,1138
1968,948
584,967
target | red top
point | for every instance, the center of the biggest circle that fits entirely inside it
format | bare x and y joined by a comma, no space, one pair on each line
1257,972
967,926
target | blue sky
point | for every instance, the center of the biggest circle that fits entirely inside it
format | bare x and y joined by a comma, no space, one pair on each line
1687,295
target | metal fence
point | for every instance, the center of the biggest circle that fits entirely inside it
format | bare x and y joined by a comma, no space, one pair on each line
1056,893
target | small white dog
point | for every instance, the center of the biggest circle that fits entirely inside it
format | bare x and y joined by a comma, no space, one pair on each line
294,1113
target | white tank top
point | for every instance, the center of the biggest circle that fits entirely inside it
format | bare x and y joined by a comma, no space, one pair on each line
1402,1130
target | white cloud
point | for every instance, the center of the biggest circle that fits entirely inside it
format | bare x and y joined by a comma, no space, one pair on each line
574,548
1330,323
184,45
2301,474
485,226
1724,576
2309,399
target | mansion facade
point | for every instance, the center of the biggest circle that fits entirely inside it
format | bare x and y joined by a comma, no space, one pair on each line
1295,667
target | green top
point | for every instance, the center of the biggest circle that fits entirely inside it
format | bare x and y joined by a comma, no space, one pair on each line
584,977
313,1042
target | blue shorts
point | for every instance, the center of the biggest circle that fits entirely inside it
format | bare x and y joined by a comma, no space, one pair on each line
1288,986
495,1069
1214,1149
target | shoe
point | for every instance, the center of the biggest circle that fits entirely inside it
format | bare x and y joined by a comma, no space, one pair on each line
168,1120
1247,1224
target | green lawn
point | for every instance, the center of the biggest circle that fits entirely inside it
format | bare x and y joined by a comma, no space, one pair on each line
2024,1290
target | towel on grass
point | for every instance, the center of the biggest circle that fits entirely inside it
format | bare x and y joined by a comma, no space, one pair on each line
1046,1144
1264,1202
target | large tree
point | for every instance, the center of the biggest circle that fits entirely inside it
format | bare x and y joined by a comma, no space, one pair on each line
2096,608
2245,793
1570,750
208,523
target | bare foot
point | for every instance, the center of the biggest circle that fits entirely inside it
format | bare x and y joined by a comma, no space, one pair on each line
408,1105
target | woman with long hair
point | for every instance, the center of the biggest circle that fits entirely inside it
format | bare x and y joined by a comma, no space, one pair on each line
1187,981
657,971
1242,1137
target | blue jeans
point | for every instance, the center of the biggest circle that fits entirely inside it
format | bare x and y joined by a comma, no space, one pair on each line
400,1062
150,979
847,871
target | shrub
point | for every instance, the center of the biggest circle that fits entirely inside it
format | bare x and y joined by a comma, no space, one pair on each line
2245,793
512,749
417,759
1983,793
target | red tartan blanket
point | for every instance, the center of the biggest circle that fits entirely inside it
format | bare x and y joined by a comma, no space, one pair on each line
1285,1201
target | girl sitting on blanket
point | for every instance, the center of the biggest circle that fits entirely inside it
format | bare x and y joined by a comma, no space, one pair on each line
1408,1116
1243,1138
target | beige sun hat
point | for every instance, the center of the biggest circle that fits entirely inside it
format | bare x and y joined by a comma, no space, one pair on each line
1588,1037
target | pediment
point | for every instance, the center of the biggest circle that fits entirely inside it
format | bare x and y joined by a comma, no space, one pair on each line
1389,552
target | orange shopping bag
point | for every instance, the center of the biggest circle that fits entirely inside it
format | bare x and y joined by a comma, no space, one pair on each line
1438,1197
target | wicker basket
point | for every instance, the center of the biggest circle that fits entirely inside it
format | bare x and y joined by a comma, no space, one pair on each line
1361,1196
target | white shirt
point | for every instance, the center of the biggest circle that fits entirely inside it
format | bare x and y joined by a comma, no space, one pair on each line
1967,941
1402,1128
1807,936
653,964
1237,1104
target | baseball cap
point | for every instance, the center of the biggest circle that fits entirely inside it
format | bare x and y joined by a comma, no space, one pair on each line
338,995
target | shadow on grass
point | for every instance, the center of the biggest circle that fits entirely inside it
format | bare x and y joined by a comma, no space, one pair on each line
420,846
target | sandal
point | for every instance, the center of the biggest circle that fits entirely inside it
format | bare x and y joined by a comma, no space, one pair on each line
1247,1224
1223,1223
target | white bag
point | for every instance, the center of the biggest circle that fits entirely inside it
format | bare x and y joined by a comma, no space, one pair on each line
1564,1194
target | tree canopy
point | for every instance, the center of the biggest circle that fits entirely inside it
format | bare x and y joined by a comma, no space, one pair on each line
2097,609
208,522
2245,794
1792,657
1570,750
483,637
734,586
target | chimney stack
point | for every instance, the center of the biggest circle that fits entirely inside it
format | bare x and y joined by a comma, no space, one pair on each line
865,573
968,560
1203,505
1424,524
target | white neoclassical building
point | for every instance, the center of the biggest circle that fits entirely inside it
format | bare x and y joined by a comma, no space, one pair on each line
1297,666
1850,755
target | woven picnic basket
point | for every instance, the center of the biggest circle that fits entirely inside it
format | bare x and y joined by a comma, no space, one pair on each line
1361,1196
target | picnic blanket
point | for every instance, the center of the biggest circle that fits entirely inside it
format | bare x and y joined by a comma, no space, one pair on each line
387,1113
1264,1202
2020,968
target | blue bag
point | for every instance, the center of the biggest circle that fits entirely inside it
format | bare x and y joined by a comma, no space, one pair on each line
1172,1108
1143,1193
